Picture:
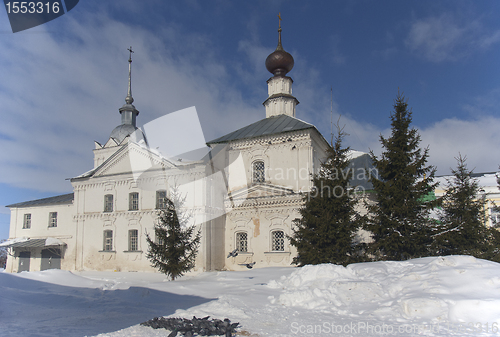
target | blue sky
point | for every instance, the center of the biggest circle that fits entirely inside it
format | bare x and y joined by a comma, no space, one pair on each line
63,82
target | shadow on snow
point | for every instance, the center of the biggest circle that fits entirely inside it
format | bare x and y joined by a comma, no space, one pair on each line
34,308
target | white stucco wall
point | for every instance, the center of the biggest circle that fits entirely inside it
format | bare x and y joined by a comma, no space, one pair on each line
65,231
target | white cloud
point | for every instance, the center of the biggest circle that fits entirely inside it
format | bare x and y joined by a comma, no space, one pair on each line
446,38
60,93
476,139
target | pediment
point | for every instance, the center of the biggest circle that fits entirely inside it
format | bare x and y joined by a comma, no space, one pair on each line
261,191
132,159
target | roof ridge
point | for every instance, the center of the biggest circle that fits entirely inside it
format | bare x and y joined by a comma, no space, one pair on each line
264,127
62,198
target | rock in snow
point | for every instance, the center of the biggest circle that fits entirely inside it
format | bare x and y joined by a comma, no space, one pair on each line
190,327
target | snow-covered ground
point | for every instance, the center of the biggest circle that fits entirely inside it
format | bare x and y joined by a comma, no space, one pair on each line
436,296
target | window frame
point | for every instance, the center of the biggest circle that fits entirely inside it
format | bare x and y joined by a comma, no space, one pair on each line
258,173
161,195
27,221
52,219
276,242
239,240
107,240
133,201
108,203
133,240
494,216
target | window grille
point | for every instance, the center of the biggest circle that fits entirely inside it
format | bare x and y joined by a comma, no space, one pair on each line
27,221
108,203
161,199
278,241
53,219
242,242
159,241
133,240
108,241
133,201
259,172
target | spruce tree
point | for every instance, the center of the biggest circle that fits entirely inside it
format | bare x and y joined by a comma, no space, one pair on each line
462,229
325,232
399,218
175,246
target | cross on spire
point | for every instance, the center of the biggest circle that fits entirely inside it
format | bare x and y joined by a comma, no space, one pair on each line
279,33
129,99
131,51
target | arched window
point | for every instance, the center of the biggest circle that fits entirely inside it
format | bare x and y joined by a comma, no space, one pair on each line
259,172
242,242
277,241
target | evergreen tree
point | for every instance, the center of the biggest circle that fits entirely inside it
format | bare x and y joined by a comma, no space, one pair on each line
462,227
325,232
175,246
399,218
463,222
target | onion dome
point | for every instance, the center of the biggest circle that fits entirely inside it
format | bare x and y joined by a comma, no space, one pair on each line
128,113
279,62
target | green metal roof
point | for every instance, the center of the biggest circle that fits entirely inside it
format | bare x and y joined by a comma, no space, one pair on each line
264,127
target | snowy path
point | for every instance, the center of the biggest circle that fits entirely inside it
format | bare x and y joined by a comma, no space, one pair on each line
438,296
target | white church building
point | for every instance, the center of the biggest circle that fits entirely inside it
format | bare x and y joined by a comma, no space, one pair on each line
242,195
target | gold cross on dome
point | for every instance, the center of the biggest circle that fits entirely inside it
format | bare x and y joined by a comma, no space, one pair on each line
279,17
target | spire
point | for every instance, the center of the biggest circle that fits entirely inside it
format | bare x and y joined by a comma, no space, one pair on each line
279,47
279,62
129,99
128,110
280,100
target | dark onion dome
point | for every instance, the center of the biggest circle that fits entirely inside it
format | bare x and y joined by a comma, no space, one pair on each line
279,62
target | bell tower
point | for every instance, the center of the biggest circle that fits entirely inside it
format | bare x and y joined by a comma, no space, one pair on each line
280,100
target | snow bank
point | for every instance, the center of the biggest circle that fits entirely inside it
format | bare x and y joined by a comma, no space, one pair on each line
436,289
11,241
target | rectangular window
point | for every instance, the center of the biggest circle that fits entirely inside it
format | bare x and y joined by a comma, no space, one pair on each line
495,216
159,240
108,241
278,241
259,172
133,240
108,203
133,201
27,221
242,242
161,199
53,219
